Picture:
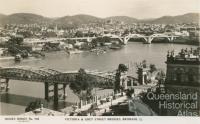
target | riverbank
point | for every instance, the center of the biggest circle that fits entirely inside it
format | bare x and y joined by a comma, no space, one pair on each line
7,58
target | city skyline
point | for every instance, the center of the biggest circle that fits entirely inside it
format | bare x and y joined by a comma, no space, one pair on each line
131,8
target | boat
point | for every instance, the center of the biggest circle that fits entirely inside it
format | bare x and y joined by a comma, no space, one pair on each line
17,58
74,51
115,47
36,111
37,54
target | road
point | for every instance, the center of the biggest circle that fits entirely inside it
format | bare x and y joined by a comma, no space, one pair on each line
139,108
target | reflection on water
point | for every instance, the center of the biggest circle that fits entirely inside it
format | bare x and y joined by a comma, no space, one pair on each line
131,53
13,100
18,99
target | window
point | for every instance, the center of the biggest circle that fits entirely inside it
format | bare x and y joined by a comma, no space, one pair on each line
178,77
179,73
129,82
190,75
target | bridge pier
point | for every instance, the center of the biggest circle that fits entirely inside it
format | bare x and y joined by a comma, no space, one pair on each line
46,89
125,41
64,87
7,84
55,91
149,39
171,39
55,96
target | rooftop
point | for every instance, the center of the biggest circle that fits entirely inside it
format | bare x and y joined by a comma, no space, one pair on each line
185,56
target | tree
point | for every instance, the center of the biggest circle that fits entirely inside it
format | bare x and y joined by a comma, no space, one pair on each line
132,30
82,86
49,34
152,68
79,34
106,39
160,77
18,40
144,64
125,32
129,93
121,69
33,105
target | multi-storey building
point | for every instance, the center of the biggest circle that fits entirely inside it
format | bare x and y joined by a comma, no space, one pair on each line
183,82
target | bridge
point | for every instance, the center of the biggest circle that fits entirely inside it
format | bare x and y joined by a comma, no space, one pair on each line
59,80
148,39
126,38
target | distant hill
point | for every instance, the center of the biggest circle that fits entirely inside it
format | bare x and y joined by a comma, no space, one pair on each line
76,20
125,19
24,18
2,17
186,18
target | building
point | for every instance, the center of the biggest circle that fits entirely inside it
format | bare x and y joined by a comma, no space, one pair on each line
4,39
184,68
35,44
183,82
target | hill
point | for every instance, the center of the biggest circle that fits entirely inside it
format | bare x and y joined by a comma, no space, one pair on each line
24,18
2,17
186,18
77,20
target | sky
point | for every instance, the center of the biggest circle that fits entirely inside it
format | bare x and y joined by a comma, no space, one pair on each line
101,8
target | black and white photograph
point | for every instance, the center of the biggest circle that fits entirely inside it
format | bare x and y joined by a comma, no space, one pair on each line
113,58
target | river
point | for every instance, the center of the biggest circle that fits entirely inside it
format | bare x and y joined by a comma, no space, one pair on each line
22,92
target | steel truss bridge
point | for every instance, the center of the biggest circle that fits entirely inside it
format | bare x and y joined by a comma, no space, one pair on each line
59,80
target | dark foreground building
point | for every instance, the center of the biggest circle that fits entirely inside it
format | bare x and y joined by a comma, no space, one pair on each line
182,83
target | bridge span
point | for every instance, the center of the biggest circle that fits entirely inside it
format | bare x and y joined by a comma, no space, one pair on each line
126,38
150,38
59,80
